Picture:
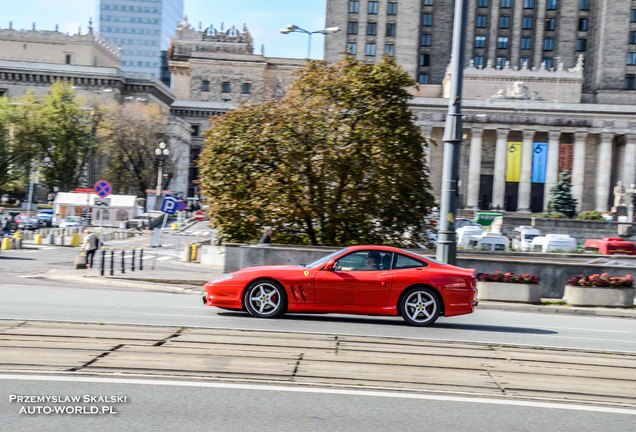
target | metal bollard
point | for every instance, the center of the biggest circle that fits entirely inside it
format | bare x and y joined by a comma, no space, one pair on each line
132,266
102,263
123,263
141,259
112,262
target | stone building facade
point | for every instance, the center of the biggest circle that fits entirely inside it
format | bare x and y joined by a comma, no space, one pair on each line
549,87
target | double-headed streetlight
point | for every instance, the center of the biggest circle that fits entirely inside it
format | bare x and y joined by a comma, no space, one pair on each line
292,28
161,152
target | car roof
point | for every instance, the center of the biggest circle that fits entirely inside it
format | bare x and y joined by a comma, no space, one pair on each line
375,247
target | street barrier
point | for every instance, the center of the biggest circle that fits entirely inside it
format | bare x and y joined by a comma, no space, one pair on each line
76,239
6,243
37,238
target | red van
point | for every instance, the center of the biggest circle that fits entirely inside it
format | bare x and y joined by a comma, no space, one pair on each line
610,246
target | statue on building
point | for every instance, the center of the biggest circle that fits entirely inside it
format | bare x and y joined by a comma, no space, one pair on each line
619,196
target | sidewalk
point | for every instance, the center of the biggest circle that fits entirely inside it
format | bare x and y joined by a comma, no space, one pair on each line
189,279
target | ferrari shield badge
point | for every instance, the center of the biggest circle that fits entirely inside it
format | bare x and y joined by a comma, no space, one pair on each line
306,273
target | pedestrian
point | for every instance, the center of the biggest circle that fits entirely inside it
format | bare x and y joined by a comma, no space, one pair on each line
267,237
89,246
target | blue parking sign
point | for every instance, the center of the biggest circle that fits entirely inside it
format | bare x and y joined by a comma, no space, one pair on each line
169,204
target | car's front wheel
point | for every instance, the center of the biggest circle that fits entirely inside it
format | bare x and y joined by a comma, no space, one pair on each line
265,299
420,306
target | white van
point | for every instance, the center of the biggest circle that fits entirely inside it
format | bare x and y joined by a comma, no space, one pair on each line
467,233
490,242
523,235
553,243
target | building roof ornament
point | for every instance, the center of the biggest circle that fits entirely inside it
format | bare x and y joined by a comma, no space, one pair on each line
516,91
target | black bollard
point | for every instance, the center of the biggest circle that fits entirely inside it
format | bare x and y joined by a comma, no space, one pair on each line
123,263
141,259
132,266
112,262
102,263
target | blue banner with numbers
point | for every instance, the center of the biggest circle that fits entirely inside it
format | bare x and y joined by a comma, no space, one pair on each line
539,161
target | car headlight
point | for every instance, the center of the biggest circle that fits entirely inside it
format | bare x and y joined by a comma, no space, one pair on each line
222,278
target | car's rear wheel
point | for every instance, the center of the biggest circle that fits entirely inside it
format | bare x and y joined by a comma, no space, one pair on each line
265,299
420,306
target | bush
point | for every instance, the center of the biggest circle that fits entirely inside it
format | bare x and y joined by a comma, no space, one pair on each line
602,280
591,215
553,215
508,277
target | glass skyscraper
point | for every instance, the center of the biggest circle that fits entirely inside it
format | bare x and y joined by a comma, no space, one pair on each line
142,29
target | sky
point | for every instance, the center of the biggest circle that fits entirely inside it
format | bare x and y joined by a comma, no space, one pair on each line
264,19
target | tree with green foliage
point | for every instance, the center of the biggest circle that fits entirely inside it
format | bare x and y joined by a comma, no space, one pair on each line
9,154
128,135
561,199
338,160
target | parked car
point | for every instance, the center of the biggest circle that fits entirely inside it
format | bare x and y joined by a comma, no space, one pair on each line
553,243
368,280
26,221
463,222
45,217
523,235
489,242
71,222
468,233
610,246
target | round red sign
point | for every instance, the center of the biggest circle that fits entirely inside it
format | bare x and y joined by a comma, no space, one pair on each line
199,216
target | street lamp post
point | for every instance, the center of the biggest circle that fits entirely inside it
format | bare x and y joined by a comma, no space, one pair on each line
446,244
161,152
292,28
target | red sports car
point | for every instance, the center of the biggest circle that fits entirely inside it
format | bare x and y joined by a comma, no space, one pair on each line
364,280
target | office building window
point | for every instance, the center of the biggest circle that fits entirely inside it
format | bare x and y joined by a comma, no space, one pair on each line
427,19
67,59
480,41
506,4
548,44
354,6
481,21
581,45
632,16
369,49
352,48
374,6
205,86
391,8
426,39
425,60
504,22
502,42
427,2
552,4
550,24
372,29
526,43
423,78
352,27
528,4
524,62
631,58
478,61
226,87
548,63
630,82
527,22
584,24
500,63
483,3
246,88
632,37
584,4
389,49
390,29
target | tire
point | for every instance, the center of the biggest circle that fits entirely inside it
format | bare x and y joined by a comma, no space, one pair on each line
265,299
420,306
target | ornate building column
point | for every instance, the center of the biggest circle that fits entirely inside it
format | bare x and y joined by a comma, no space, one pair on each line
499,178
526,171
474,168
578,168
551,174
603,172
629,162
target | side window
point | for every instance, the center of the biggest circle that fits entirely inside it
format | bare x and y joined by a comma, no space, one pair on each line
364,261
403,262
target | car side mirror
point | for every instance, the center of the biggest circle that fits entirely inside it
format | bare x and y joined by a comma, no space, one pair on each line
330,265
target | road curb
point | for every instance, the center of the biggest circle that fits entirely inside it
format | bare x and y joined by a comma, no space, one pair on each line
559,309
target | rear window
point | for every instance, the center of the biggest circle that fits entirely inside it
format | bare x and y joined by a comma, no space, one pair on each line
404,262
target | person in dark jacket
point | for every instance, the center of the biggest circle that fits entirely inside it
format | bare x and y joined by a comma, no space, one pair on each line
267,237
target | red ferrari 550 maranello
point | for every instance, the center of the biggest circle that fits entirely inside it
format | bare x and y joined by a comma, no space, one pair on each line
364,280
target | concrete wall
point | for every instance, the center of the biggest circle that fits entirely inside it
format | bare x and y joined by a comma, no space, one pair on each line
553,269
580,230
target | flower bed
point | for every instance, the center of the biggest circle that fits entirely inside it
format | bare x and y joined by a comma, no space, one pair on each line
600,290
508,287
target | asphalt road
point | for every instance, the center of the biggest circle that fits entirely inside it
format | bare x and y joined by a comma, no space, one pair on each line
190,406
35,299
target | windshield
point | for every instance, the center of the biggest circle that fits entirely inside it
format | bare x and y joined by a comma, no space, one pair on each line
325,259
